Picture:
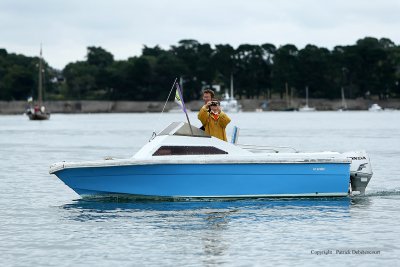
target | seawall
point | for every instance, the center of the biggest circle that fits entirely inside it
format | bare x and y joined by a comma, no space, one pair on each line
84,106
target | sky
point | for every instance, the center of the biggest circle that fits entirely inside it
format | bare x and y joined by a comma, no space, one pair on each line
67,27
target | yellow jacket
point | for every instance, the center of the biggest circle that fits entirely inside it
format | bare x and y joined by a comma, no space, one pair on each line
214,127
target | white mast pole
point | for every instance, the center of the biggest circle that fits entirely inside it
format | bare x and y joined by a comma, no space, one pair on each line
307,96
40,77
231,86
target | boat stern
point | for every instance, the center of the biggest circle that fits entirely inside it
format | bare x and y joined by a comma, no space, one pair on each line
360,171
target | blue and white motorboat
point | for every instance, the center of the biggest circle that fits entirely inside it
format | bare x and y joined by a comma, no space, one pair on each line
184,162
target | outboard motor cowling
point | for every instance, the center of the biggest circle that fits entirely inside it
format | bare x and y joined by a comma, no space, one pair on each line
360,170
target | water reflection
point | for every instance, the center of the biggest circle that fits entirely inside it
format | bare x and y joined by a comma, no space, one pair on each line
360,201
211,214
213,241
218,220
214,225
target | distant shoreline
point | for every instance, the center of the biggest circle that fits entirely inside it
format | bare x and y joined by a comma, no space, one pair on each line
88,106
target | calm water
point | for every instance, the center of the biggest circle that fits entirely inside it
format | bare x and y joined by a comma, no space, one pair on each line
44,223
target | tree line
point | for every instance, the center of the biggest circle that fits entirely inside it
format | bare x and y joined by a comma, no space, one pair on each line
370,67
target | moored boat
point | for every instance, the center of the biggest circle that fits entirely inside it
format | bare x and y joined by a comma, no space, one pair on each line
375,107
38,111
229,104
37,114
306,108
184,162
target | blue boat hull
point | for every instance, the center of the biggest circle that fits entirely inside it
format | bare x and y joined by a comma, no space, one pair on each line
212,180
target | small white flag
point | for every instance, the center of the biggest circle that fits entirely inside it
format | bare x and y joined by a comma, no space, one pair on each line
179,97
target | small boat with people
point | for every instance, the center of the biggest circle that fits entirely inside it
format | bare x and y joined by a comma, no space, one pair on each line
38,110
183,161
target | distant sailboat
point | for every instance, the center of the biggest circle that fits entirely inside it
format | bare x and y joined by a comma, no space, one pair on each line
289,102
38,111
344,104
230,104
306,107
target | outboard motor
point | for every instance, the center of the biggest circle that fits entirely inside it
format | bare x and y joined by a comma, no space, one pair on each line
360,171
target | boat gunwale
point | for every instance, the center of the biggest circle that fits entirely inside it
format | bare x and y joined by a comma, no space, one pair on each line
187,161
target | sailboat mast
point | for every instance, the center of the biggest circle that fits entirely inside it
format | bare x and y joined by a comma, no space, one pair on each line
181,83
291,96
40,78
287,95
231,86
344,104
307,96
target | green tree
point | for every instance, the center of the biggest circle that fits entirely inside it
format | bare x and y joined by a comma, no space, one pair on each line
80,79
251,70
285,68
370,66
17,83
97,56
224,62
314,73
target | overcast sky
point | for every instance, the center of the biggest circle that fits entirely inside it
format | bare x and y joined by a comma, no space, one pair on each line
67,27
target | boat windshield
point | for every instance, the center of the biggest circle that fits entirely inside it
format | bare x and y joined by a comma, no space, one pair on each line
188,150
183,129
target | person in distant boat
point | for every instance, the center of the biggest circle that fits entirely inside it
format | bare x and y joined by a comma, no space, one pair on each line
208,95
214,119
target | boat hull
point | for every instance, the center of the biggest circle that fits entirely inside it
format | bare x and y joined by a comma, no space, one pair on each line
211,180
39,116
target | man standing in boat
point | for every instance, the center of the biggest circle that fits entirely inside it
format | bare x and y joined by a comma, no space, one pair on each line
213,119
208,95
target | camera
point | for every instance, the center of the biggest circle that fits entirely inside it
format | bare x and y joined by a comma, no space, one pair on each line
214,103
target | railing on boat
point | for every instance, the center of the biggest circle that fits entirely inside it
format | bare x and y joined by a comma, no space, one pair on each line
274,149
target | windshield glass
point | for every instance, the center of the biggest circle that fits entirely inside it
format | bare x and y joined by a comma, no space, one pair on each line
183,129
